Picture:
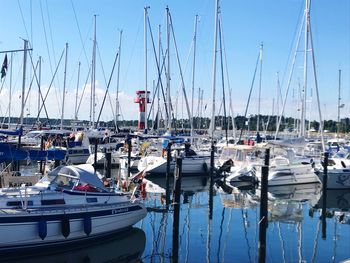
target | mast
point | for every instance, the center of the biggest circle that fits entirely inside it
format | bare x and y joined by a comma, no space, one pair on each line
117,95
93,76
146,80
168,69
64,86
339,106
304,91
193,71
259,99
10,93
212,123
76,95
25,49
39,89
158,90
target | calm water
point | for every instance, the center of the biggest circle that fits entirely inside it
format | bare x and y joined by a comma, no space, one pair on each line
295,232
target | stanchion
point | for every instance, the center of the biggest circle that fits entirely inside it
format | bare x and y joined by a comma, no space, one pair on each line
263,223
324,195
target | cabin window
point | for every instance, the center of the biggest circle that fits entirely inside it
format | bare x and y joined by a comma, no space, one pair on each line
53,202
91,200
18,203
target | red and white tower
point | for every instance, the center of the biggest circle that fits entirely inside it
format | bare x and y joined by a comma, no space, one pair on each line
141,100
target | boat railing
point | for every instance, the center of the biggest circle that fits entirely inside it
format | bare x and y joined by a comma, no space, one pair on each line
24,199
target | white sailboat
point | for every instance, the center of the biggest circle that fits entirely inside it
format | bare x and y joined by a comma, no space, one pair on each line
69,205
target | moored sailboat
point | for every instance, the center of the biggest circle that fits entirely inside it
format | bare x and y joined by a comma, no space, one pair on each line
71,204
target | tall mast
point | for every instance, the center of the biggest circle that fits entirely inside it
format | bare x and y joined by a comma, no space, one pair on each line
24,80
212,123
117,95
159,59
146,80
76,95
39,89
64,86
93,80
303,104
168,69
339,106
10,93
193,71
259,99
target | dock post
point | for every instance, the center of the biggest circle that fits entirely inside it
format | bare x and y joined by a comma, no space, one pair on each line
177,190
95,153
324,194
108,163
41,170
263,208
129,157
211,181
167,174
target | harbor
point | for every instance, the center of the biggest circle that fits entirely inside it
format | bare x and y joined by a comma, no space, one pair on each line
117,147
224,228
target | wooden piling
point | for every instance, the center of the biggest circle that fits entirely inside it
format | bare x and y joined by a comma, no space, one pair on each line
167,174
263,223
324,194
42,146
177,191
108,163
129,157
95,154
211,181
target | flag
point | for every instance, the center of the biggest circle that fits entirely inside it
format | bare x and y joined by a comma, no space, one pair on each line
4,67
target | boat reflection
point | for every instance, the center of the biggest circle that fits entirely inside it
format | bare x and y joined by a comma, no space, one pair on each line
127,246
286,203
337,205
189,184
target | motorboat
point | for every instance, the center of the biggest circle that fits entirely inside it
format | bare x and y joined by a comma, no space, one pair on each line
338,173
244,164
193,163
154,166
70,204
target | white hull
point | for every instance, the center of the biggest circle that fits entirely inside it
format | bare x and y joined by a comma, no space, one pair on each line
70,204
291,175
25,232
157,166
337,178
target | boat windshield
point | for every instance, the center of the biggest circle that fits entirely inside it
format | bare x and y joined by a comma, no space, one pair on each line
65,181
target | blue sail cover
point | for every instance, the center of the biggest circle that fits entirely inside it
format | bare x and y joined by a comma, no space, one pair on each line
18,132
11,153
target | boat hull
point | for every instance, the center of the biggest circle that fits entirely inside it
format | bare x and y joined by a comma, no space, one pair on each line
337,178
190,167
32,229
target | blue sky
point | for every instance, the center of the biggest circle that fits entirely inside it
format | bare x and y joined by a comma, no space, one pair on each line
49,24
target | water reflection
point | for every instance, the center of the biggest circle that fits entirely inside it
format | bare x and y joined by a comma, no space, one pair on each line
125,247
189,184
